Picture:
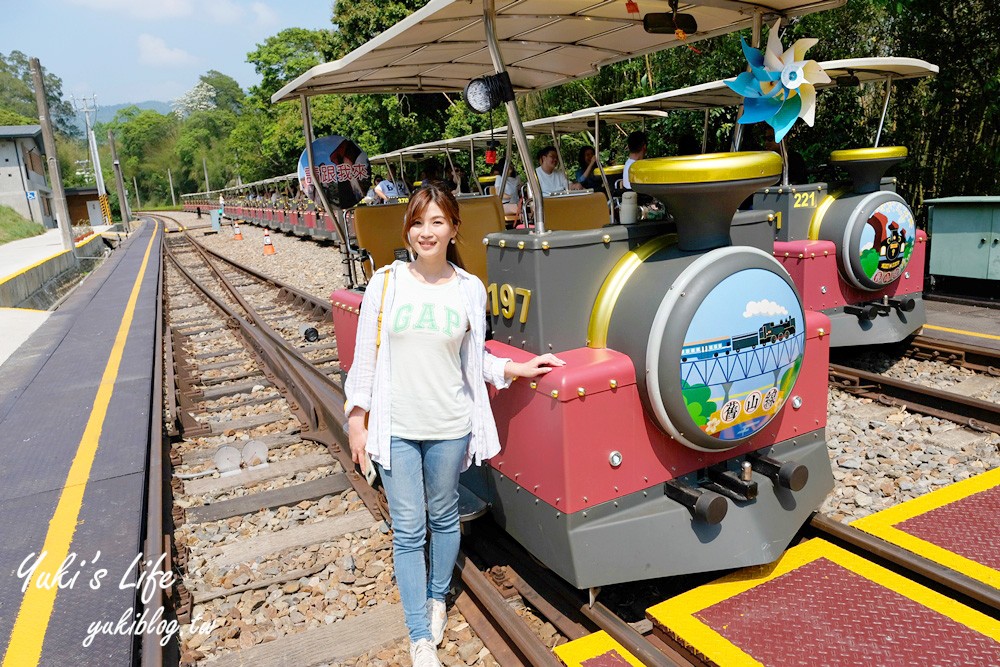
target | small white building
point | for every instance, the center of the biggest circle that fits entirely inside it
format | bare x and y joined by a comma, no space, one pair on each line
23,186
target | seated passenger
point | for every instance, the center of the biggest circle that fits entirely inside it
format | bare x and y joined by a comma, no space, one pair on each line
636,151
549,177
797,171
458,182
509,192
586,164
385,191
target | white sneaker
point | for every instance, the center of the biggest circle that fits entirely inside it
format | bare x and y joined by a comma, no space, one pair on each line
423,654
438,615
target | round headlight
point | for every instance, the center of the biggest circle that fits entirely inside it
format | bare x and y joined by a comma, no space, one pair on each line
477,95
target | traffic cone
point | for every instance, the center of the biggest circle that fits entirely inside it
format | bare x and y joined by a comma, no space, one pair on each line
237,236
268,246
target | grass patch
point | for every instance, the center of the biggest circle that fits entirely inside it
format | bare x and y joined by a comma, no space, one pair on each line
13,226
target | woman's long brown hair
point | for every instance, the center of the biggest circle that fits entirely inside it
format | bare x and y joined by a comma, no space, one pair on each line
437,193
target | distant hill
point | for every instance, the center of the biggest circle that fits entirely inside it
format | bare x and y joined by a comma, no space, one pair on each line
107,113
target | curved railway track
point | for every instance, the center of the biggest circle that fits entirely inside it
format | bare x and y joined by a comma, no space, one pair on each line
245,373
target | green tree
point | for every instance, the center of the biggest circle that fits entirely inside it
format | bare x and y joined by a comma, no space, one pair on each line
17,93
229,95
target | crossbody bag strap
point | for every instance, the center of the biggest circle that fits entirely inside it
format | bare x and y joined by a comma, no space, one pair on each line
381,307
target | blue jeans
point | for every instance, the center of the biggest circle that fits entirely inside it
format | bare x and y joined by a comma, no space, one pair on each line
423,471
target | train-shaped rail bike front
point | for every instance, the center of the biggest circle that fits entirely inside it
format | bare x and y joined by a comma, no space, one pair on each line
696,462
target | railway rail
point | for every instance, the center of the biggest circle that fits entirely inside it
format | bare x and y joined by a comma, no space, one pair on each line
977,414
493,568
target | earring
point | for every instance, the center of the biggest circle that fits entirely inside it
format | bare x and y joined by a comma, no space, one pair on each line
453,241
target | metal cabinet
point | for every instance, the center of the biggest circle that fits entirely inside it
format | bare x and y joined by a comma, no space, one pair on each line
965,237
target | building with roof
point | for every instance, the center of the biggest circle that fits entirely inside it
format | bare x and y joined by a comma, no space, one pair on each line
23,185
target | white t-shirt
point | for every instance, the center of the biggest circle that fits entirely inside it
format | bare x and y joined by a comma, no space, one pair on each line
509,193
554,182
625,181
426,327
387,188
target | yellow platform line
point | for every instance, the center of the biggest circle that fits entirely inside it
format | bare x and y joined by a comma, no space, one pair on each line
681,609
962,332
28,633
883,524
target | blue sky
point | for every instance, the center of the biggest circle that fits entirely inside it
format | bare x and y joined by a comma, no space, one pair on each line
137,50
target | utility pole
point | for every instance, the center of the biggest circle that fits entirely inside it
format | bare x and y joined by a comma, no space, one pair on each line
138,204
204,165
173,199
95,158
122,202
49,140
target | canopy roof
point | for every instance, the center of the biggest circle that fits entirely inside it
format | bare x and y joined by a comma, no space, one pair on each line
718,94
544,43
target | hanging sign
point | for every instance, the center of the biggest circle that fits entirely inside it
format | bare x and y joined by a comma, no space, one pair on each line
341,168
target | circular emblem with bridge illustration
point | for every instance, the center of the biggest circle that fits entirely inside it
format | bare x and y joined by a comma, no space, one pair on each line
741,354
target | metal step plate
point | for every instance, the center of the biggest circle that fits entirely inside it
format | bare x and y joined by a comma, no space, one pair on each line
957,526
596,650
822,605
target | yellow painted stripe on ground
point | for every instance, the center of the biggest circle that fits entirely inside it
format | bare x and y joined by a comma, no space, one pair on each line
962,332
575,652
28,633
678,613
883,524
22,310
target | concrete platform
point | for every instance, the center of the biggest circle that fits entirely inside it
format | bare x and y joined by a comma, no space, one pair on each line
16,326
963,324
74,427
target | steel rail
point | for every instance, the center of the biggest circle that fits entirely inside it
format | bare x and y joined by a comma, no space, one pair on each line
484,597
537,653
313,397
955,581
154,544
972,412
598,613
980,359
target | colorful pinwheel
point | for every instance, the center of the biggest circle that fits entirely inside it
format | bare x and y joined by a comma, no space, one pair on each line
779,88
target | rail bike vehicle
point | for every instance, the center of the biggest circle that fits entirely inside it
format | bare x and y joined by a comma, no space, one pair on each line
694,462
851,247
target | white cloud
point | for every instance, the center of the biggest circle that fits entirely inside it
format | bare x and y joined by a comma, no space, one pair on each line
764,307
160,9
154,51
223,11
265,16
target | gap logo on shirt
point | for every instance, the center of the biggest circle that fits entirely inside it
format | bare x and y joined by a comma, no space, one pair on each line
427,317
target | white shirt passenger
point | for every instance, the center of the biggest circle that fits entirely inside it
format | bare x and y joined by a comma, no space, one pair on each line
509,192
388,189
625,182
554,182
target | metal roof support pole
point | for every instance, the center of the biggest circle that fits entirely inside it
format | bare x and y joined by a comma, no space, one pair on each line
402,175
514,117
508,160
555,142
451,165
704,134
604,177
338,220
472,166
885,108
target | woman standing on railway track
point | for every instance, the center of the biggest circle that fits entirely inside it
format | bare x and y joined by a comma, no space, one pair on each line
419,374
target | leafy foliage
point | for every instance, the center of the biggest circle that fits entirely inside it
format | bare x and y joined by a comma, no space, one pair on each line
17,93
